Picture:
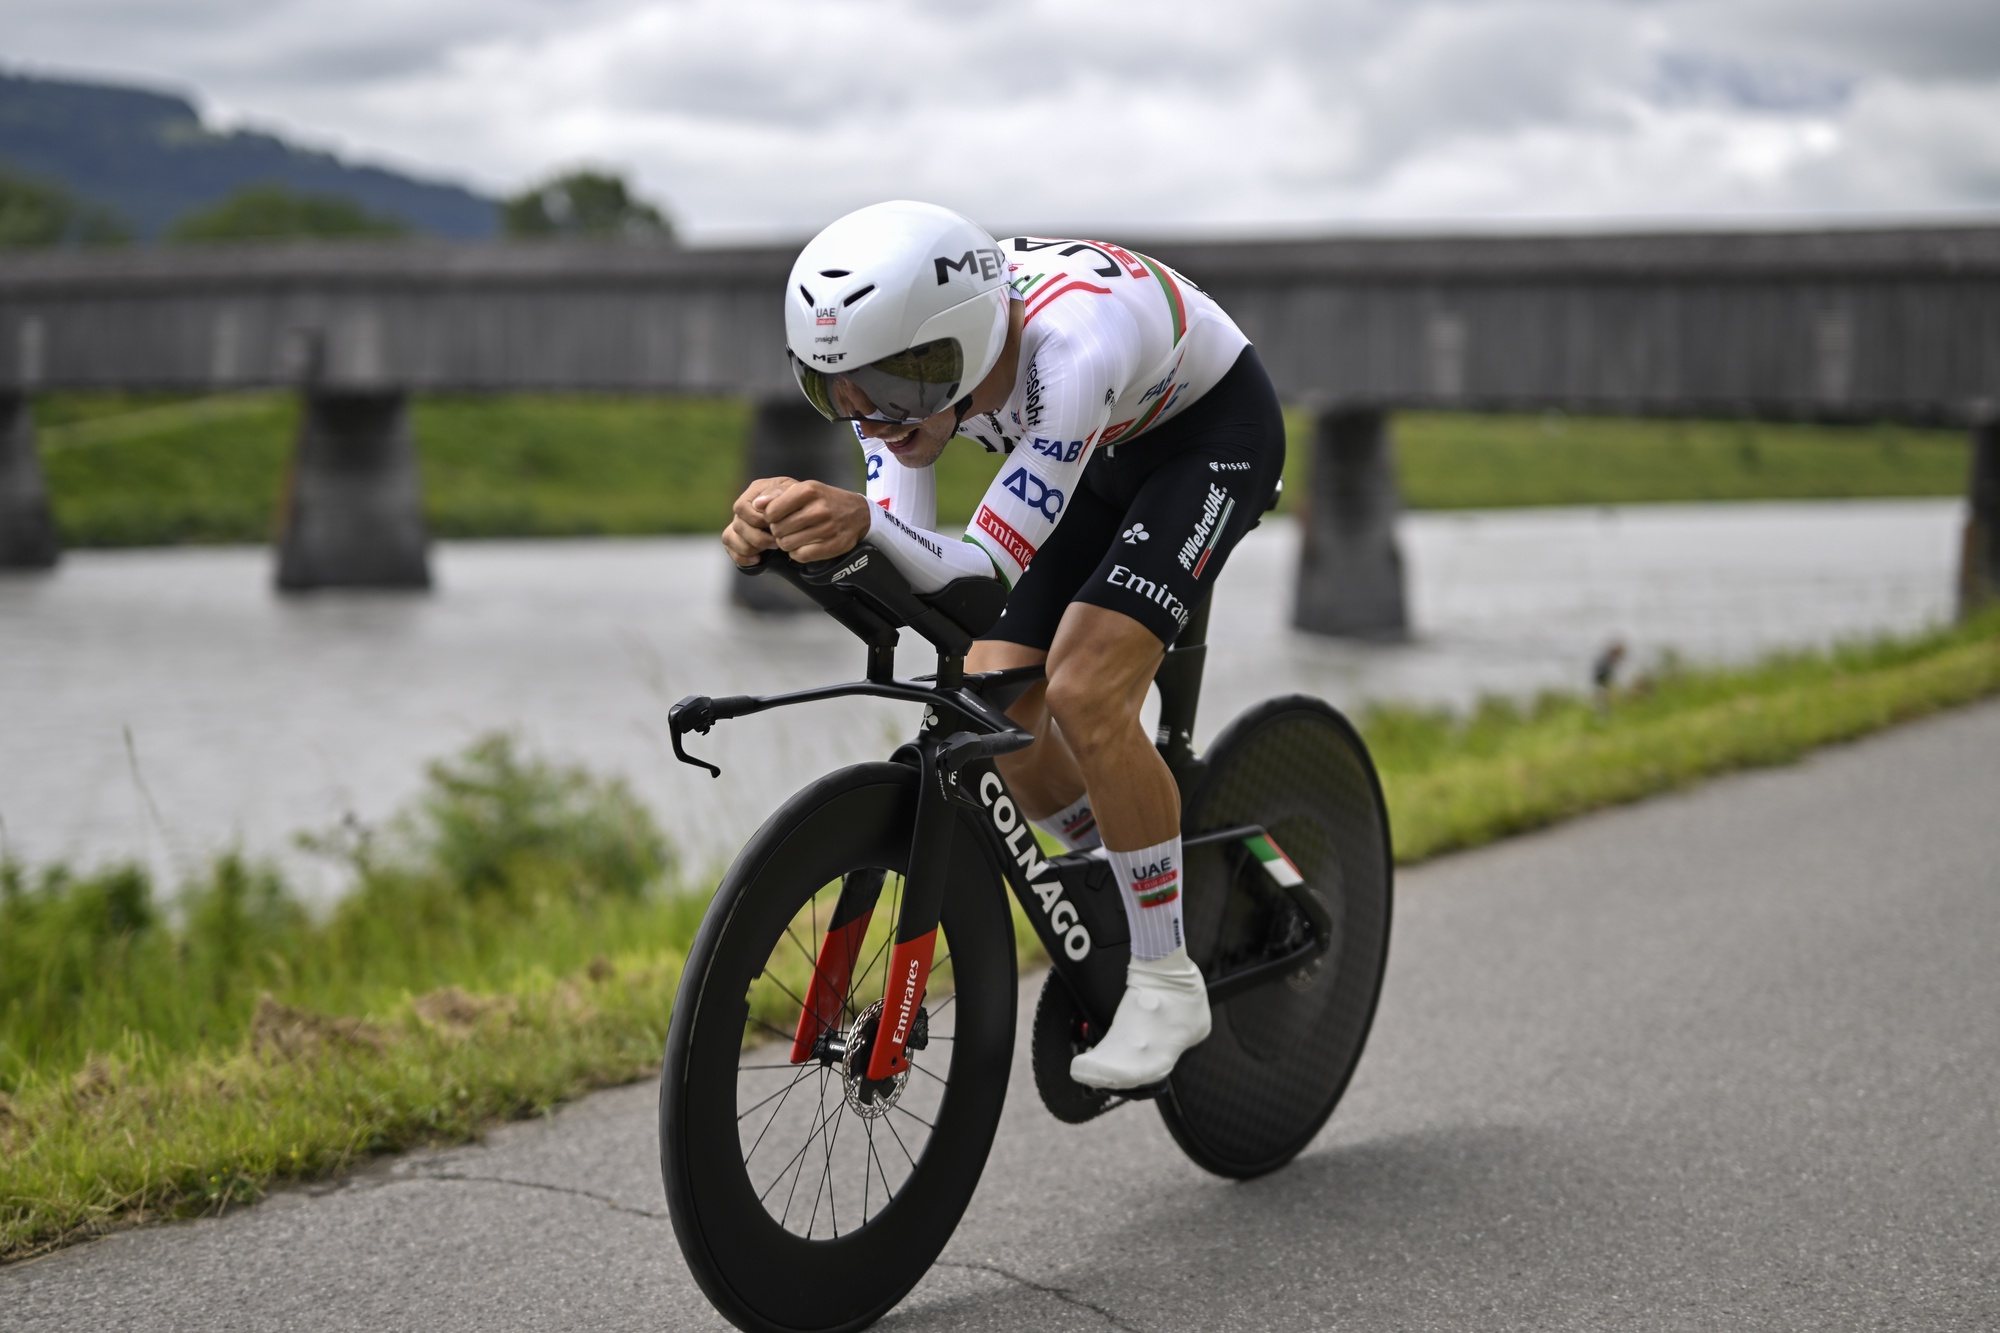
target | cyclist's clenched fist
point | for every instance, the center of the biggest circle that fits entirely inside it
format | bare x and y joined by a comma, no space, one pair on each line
749,533
813,520
808,520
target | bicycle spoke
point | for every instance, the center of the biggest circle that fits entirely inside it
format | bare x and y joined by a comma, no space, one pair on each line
929,1075
857,978
794,1159
887,1193
793,996
781,1036
826,1175
914,1116
811,961
799,1078
801,1157
886,1124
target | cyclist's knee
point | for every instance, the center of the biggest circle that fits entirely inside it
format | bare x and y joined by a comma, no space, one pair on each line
1091,708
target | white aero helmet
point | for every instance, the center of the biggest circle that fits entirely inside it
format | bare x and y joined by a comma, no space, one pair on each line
905,302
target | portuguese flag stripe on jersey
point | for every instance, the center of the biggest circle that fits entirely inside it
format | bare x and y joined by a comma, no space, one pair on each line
1173,291
1275,861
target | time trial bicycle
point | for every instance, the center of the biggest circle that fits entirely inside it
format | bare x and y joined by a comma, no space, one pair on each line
840,1044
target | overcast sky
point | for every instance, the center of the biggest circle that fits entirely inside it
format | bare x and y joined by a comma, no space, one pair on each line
752,118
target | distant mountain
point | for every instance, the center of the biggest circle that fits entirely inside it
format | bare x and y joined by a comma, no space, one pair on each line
147,157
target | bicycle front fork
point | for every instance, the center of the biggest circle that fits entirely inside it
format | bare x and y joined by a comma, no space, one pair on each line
939,761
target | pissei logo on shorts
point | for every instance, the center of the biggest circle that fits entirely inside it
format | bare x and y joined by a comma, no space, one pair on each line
1216,508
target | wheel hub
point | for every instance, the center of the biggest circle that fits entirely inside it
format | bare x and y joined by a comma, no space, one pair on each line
871,1098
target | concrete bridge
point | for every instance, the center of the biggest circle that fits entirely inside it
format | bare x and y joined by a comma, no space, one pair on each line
1900,325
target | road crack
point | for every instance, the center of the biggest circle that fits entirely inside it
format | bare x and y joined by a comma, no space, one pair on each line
463,1178
1062,1294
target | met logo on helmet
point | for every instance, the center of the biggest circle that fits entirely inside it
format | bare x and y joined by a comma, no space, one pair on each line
987,264
1039,496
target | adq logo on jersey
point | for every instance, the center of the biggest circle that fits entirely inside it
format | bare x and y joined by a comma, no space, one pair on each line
1020,839
1037,494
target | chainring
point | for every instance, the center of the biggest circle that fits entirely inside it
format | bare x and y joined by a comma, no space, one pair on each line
1059,1037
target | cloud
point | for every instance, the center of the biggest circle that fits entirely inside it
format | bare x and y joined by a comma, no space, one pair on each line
769,117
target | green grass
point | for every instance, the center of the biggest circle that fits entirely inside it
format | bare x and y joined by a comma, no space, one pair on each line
515,938
1450,461
136,470
1456,781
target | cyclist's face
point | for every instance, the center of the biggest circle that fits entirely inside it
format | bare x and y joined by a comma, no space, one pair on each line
915,444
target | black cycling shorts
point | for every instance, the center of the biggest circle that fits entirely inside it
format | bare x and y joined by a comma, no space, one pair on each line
1153,520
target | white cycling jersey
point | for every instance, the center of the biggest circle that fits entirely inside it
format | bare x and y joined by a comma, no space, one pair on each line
1112,345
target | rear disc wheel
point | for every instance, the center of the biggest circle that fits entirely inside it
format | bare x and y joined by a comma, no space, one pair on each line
1250,1097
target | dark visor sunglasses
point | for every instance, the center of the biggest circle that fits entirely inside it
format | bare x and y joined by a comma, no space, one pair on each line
905,388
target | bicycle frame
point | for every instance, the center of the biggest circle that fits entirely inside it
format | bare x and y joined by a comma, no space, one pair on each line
1071,902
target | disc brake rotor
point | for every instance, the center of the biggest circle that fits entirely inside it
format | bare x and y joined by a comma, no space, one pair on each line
869,1098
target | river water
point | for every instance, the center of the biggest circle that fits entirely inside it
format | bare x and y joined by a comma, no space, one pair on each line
162,704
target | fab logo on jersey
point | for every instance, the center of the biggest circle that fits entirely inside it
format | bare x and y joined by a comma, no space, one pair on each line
1063,451
1037,494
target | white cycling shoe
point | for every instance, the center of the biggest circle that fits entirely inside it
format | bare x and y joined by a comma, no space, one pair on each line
1164,1012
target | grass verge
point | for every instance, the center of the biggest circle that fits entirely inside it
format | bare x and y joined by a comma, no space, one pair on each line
148,470
513,940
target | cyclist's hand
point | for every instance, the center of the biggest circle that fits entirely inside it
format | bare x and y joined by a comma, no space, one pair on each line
815,521
748,535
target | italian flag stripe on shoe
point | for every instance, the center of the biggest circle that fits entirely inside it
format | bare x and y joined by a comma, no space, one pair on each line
1274,859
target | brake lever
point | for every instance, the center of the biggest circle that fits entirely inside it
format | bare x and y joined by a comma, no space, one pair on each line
694,713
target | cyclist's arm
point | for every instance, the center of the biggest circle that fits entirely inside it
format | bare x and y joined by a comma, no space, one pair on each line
1079,376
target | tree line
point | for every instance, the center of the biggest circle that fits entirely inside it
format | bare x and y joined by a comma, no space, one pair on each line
581,203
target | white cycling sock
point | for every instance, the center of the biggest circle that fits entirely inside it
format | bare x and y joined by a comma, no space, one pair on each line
1151,878
1074,826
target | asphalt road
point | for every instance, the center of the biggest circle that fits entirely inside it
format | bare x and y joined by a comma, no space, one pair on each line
1729,1059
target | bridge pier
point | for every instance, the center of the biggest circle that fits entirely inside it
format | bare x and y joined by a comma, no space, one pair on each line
788,438
1350,568
27,529
1979,561
353,509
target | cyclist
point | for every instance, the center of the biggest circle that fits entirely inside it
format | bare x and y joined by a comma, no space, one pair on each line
1142,439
